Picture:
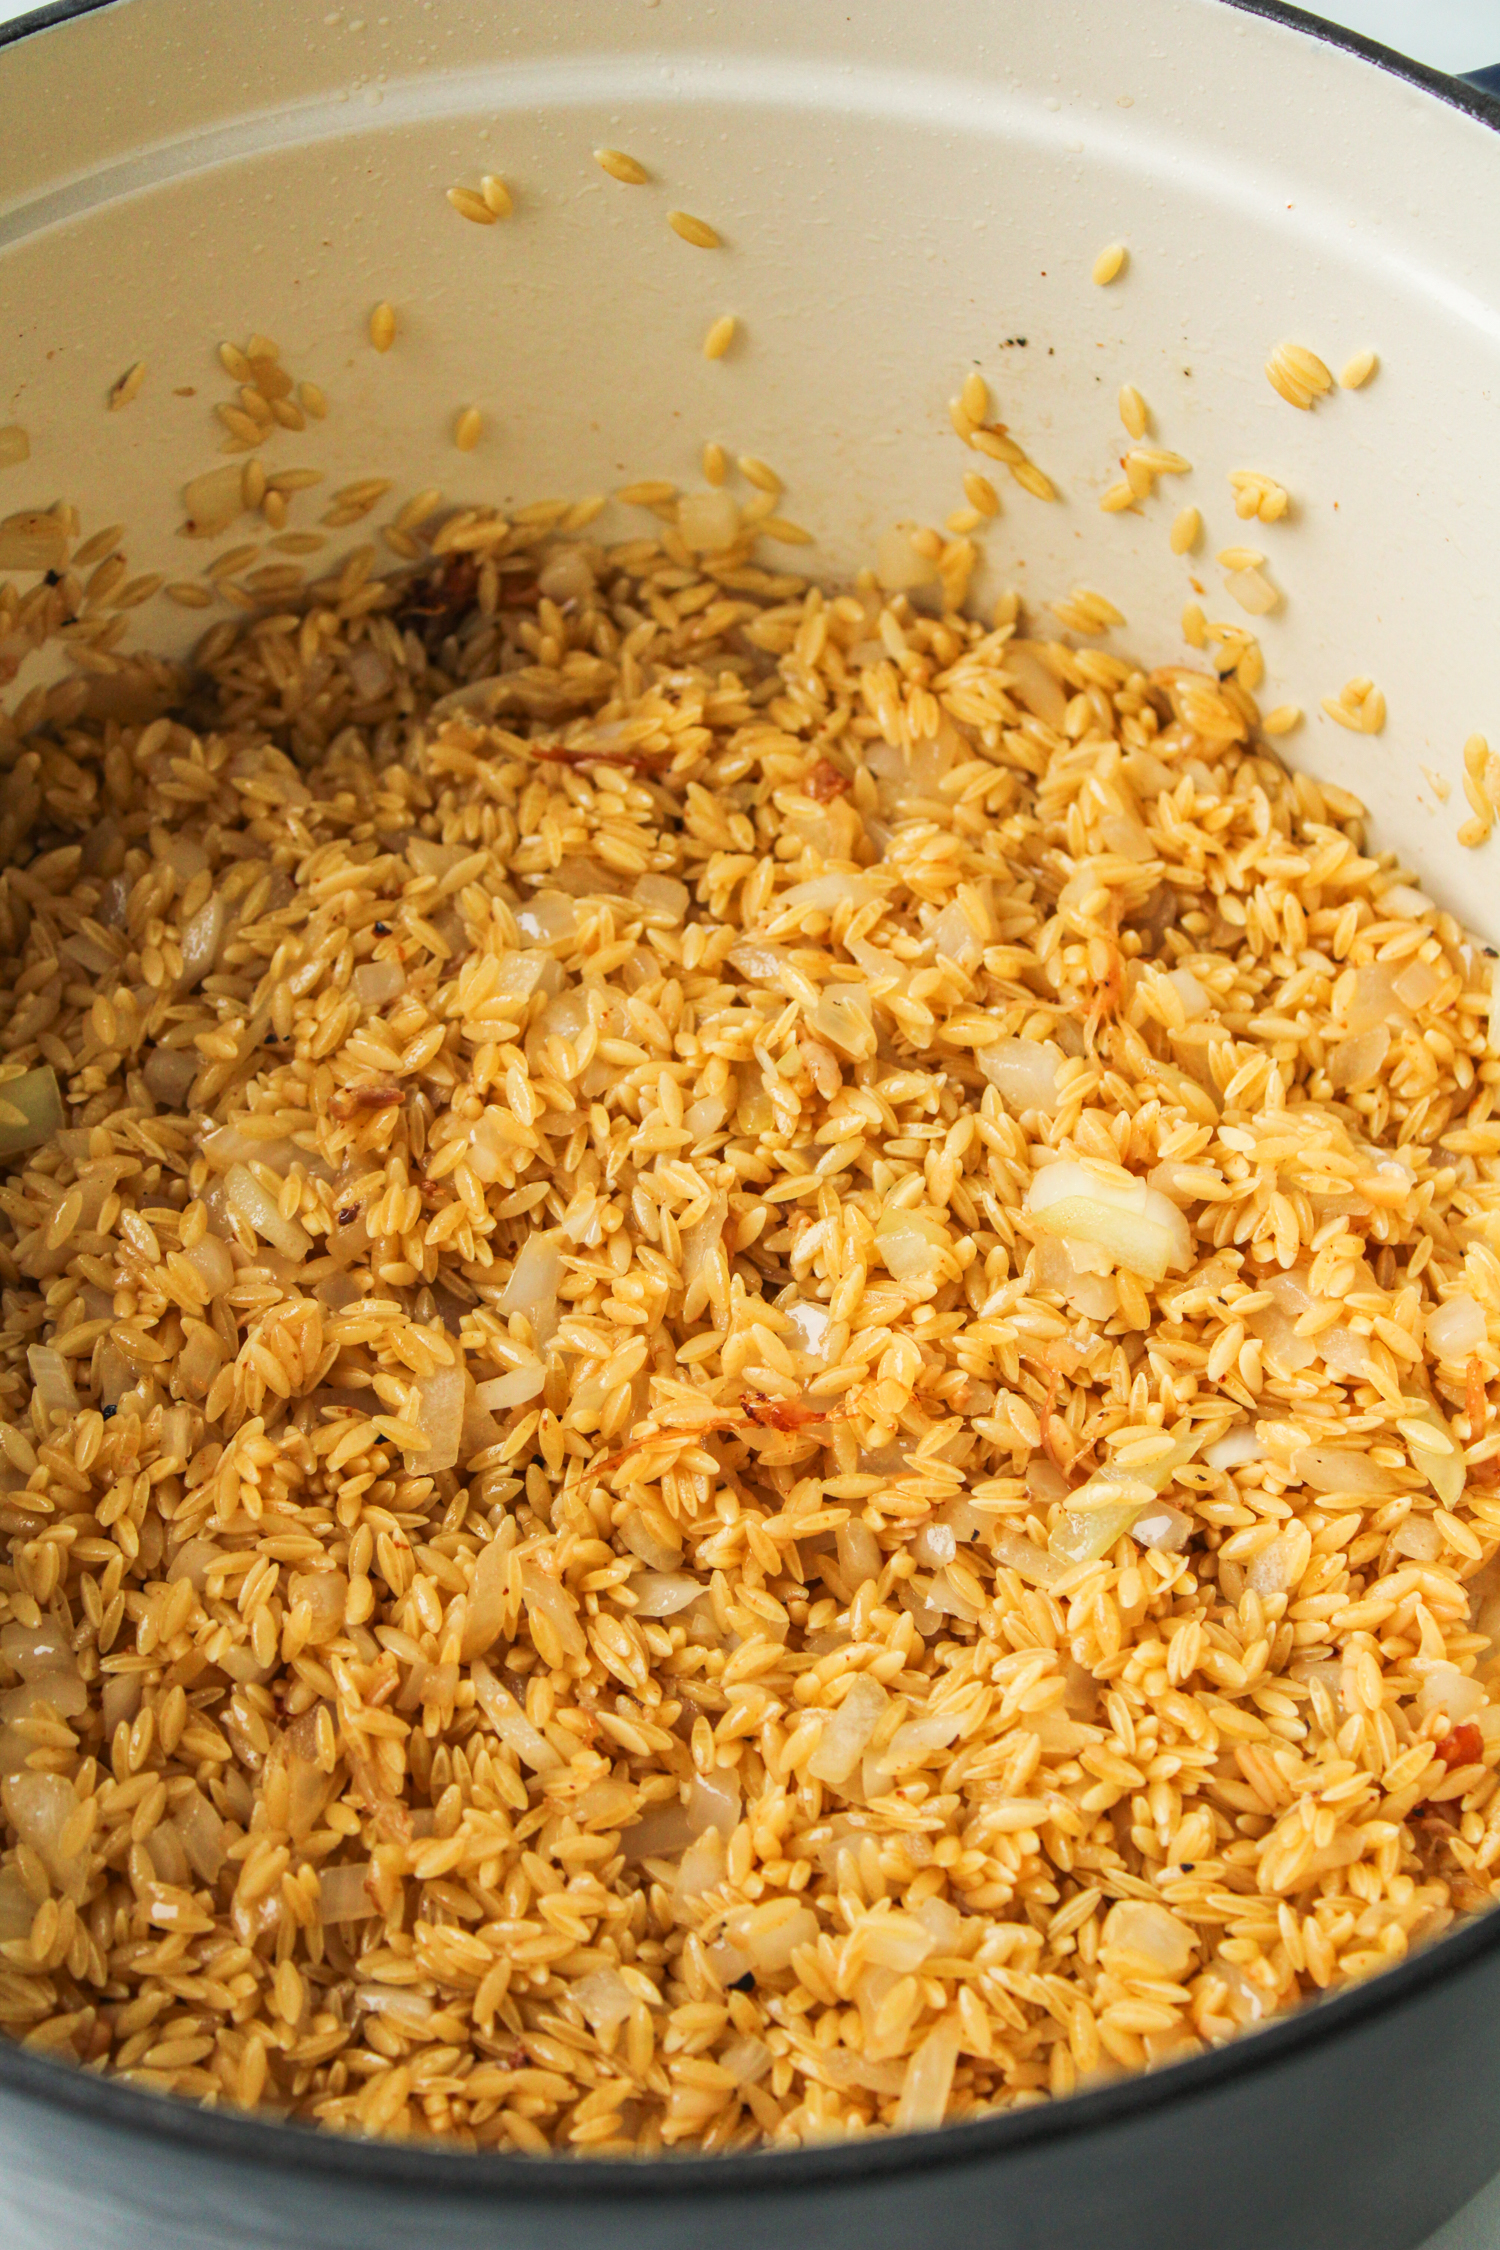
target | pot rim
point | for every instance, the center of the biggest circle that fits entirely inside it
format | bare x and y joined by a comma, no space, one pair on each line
287,2144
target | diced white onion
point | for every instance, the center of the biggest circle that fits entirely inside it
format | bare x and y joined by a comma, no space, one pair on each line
662,1593
1234,1448
54,1385
1336,1468
708,520
844,1016
512,1389
344,1892
38,1097
845,1734
510,1721
532,1287
1149,1935
1112,1211
440,1410
1025,1072
1456,1328
201,938
375,982
913,1246
260,1212
929,2076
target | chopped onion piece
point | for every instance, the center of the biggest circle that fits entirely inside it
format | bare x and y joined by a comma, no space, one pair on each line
375,982
1112,1501
842,1742
898,565
1164,1529
663,895
37,1098
770,1934
1034,684
1334,1468
1110,1210
54,1385
203,1836
1281,1563
212,501
844,1016
261,1213
1445,1688
1442,1462
31,540
714,1801
1234,1448
546,1599
487,1597
661,1593
169,1073
201,938
1014,1552
708,520
512,1389
1025,1072
344,1892
35,1650
1456,1328
510,1721
913,1246
1355,1061
441,1413
859,1555
547,918
1148,1935
929,2076
532,1287
605,1998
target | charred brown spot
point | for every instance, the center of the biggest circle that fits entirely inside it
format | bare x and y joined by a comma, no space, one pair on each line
357,1101
825,782
577,754
441,597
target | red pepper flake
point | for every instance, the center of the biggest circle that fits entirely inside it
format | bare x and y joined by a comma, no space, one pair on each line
353,1101
1461,1746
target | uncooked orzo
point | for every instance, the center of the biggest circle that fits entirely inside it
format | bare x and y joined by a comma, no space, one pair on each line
748,1351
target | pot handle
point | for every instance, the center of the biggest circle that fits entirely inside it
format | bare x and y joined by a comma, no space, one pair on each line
1488,81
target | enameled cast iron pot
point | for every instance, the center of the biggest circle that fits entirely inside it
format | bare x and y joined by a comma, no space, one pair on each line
903,193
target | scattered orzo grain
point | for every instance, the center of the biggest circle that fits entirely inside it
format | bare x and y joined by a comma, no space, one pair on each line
1133,411
1298,375
472,206
696,231
383,326
720,336
619,166
1357,372
1109,264
468,428
1257,495
1359,705
1187,525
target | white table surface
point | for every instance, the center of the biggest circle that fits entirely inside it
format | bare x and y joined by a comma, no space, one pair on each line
1450,35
